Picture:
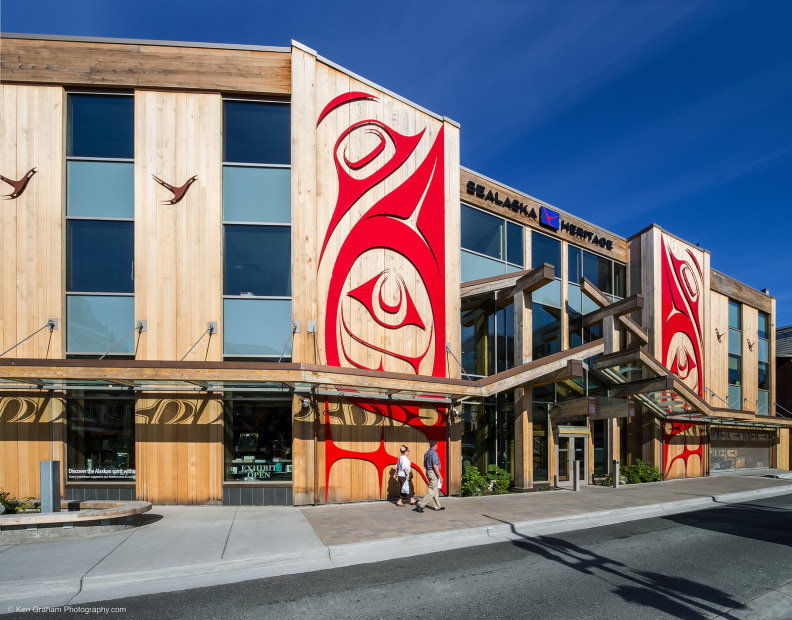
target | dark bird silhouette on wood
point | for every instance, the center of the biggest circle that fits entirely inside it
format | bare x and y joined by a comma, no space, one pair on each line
178,192
19,186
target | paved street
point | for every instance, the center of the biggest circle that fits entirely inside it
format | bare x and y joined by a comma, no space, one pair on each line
730,562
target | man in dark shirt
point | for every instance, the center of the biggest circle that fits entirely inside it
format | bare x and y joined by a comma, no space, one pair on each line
432,469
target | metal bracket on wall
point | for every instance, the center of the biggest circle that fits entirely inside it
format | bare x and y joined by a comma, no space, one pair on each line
295,327
53,322
311,327
211,327
141,326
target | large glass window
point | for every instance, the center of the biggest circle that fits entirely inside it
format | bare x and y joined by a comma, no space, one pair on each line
546,330
763,332
542,398
100,438
488,433
735,397
100,204
487,335
257,230
258,439
491,245
545,249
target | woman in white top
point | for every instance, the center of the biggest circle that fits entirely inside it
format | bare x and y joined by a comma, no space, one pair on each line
403,476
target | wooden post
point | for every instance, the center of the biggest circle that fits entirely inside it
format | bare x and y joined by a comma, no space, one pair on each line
523,419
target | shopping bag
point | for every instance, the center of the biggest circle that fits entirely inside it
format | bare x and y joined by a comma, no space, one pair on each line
406,487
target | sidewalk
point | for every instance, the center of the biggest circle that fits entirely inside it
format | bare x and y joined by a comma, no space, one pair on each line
184,547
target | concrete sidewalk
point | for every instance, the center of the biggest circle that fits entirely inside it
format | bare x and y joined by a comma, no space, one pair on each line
184,547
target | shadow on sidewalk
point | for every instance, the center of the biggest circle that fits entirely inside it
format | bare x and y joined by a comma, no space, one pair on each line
679,597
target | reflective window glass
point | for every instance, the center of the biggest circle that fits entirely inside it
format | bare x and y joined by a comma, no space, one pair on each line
549,294
258,261
94,324
475,267
101,126
764,325
619,280
100,256
256,133
100,189
478,335
256,327
735,370
545,250
735,321
100,439
735,342
764,403
505,348
763,349
258,440
588,304
514,243
256,194
599,271
540,442
574,298
546,330
482,233
735,397
574,264
764,376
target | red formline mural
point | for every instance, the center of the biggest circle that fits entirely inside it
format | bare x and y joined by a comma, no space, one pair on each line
408,221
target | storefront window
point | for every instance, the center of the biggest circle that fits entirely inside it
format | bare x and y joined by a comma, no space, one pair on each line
258,440
487,335
546,330
100,439
540,442
488,434
491,245
598,437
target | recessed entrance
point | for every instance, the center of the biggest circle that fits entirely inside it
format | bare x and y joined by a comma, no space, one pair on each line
572,448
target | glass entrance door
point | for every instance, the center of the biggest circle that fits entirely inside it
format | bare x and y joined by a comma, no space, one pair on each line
572,448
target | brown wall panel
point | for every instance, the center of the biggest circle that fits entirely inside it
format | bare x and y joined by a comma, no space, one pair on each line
32,429
31,226
179,449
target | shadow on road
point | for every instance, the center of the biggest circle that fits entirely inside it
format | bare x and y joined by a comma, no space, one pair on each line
770,524
680,597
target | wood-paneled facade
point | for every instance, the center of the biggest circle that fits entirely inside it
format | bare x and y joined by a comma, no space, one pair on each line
376,187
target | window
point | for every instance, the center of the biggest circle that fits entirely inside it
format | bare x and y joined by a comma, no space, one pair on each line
607,275
100,208
258,439
546,330
542,398
488,433
491,246
763,398
100,438
545,249
735,356
256,230
487,335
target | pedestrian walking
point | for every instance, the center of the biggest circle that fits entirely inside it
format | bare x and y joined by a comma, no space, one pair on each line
432,469
403,476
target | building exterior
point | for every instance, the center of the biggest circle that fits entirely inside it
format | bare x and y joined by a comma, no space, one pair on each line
784,371
245,275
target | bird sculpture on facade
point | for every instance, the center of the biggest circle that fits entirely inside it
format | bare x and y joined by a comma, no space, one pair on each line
178,192
19,186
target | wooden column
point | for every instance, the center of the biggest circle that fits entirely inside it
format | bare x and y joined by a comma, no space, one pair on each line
523,418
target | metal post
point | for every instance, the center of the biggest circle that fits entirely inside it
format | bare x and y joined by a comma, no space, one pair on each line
576,475
50,486
615,473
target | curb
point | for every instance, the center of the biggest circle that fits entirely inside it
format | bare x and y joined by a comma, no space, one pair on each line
168,579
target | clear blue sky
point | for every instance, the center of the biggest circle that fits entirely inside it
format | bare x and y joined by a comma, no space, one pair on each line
623,112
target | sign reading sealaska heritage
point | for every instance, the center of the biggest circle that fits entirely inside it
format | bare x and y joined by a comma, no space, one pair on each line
547,217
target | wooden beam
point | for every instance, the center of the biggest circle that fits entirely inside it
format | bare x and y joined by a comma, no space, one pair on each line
599,298
510,283
134,65
619,308
644,386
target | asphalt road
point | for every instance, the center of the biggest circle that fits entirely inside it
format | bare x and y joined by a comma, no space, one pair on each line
693,565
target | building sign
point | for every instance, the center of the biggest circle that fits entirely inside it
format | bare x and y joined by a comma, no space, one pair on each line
547,217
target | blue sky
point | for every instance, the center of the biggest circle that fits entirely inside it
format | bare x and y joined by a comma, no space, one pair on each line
625,113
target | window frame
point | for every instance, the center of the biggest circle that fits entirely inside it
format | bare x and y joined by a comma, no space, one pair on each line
506,222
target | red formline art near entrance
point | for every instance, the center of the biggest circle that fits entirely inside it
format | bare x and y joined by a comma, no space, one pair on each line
676,429
682,293
408,222
381,458
19,186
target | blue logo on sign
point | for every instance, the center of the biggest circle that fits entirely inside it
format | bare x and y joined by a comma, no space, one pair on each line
548,217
